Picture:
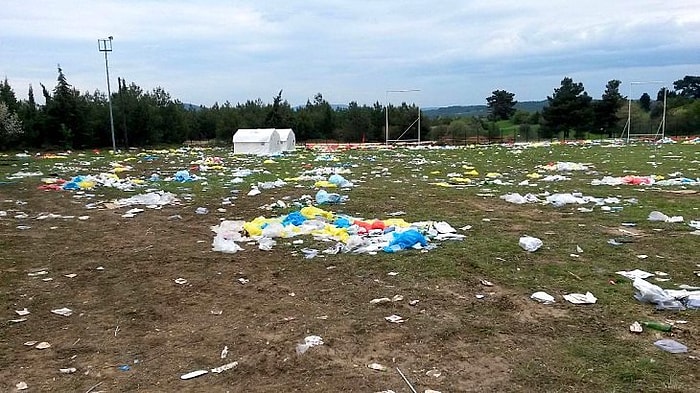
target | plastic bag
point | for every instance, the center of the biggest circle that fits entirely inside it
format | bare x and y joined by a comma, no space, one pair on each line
323,197
266,243
404,240
671,346
650,293
530,244
222,244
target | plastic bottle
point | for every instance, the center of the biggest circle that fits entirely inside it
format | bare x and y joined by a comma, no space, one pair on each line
664,327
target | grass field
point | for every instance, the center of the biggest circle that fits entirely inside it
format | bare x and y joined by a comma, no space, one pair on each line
134,328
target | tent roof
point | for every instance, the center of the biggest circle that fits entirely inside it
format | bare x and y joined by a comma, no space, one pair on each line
256,135
284,133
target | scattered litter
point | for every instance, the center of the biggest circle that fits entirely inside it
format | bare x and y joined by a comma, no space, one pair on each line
380,300
180,281
243,281
42,345
309,342
201,210
636,273
395,319
486,283
433,373
658,216
150,199
193,374
542,297
636,327
224,367
66,312
671,346
578,298
22,386
30,343
69,370
22,312
529,243
224,352
392,274
377,367
18,320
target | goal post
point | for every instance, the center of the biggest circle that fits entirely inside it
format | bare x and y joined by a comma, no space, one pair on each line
629,132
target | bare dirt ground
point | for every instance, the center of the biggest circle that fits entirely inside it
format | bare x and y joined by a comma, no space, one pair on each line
133,328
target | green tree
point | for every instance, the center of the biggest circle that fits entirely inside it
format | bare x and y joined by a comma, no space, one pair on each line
569,108
64,120
356,123
645,102
501,105
279,115
605,111
688,87
7,95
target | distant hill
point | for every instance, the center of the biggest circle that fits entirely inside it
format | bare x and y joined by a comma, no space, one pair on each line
478,110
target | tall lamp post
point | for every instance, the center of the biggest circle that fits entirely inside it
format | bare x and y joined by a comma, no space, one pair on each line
105,45
386,110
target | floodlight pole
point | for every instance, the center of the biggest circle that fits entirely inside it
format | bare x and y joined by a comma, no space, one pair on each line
105,45
386,110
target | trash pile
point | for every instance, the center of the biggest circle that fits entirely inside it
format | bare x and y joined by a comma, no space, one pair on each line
348,234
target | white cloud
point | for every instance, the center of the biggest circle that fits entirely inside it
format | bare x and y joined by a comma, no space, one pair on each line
208,51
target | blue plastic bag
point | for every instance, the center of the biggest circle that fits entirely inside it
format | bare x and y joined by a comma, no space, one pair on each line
294,218
406,239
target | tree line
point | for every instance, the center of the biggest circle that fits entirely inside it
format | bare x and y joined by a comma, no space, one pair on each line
69,119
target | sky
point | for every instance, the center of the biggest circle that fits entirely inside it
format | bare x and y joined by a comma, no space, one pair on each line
452,52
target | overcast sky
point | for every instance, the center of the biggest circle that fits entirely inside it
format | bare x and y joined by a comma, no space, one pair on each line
455,52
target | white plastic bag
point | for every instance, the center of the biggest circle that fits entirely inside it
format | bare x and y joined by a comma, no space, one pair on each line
650,293
530,244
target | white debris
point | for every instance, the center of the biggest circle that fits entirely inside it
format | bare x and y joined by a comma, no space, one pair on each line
542,297
22,312
193,374
579,298
225,367
636,273
395,319
66,312
529,243
309,341
377,367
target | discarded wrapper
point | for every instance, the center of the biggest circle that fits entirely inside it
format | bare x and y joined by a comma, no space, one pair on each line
193,374
66,312
636,327
225,367
542,297
395,319
377,367
579,298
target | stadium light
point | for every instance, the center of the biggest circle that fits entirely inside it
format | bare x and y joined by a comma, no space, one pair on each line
105,45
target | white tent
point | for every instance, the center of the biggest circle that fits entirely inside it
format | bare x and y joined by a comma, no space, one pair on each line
287,139
260,141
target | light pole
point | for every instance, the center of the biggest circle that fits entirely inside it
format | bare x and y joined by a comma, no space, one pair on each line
105,45
386,110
